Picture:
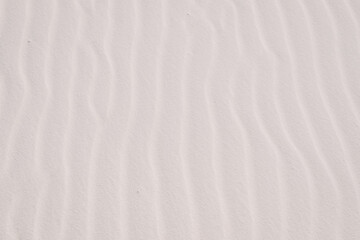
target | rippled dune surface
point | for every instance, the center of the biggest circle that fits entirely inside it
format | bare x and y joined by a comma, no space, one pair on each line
179,120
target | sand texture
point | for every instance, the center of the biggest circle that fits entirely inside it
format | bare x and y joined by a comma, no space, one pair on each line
179,119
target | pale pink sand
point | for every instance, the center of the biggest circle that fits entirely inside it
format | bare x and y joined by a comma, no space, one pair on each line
179,119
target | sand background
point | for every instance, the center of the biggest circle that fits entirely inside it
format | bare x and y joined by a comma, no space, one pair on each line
179,119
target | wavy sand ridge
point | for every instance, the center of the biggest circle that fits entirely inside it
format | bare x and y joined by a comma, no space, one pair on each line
165,119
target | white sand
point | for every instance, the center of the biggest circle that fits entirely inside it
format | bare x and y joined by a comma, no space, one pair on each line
180,119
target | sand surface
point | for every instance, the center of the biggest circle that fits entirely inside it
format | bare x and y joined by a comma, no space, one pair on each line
179,119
